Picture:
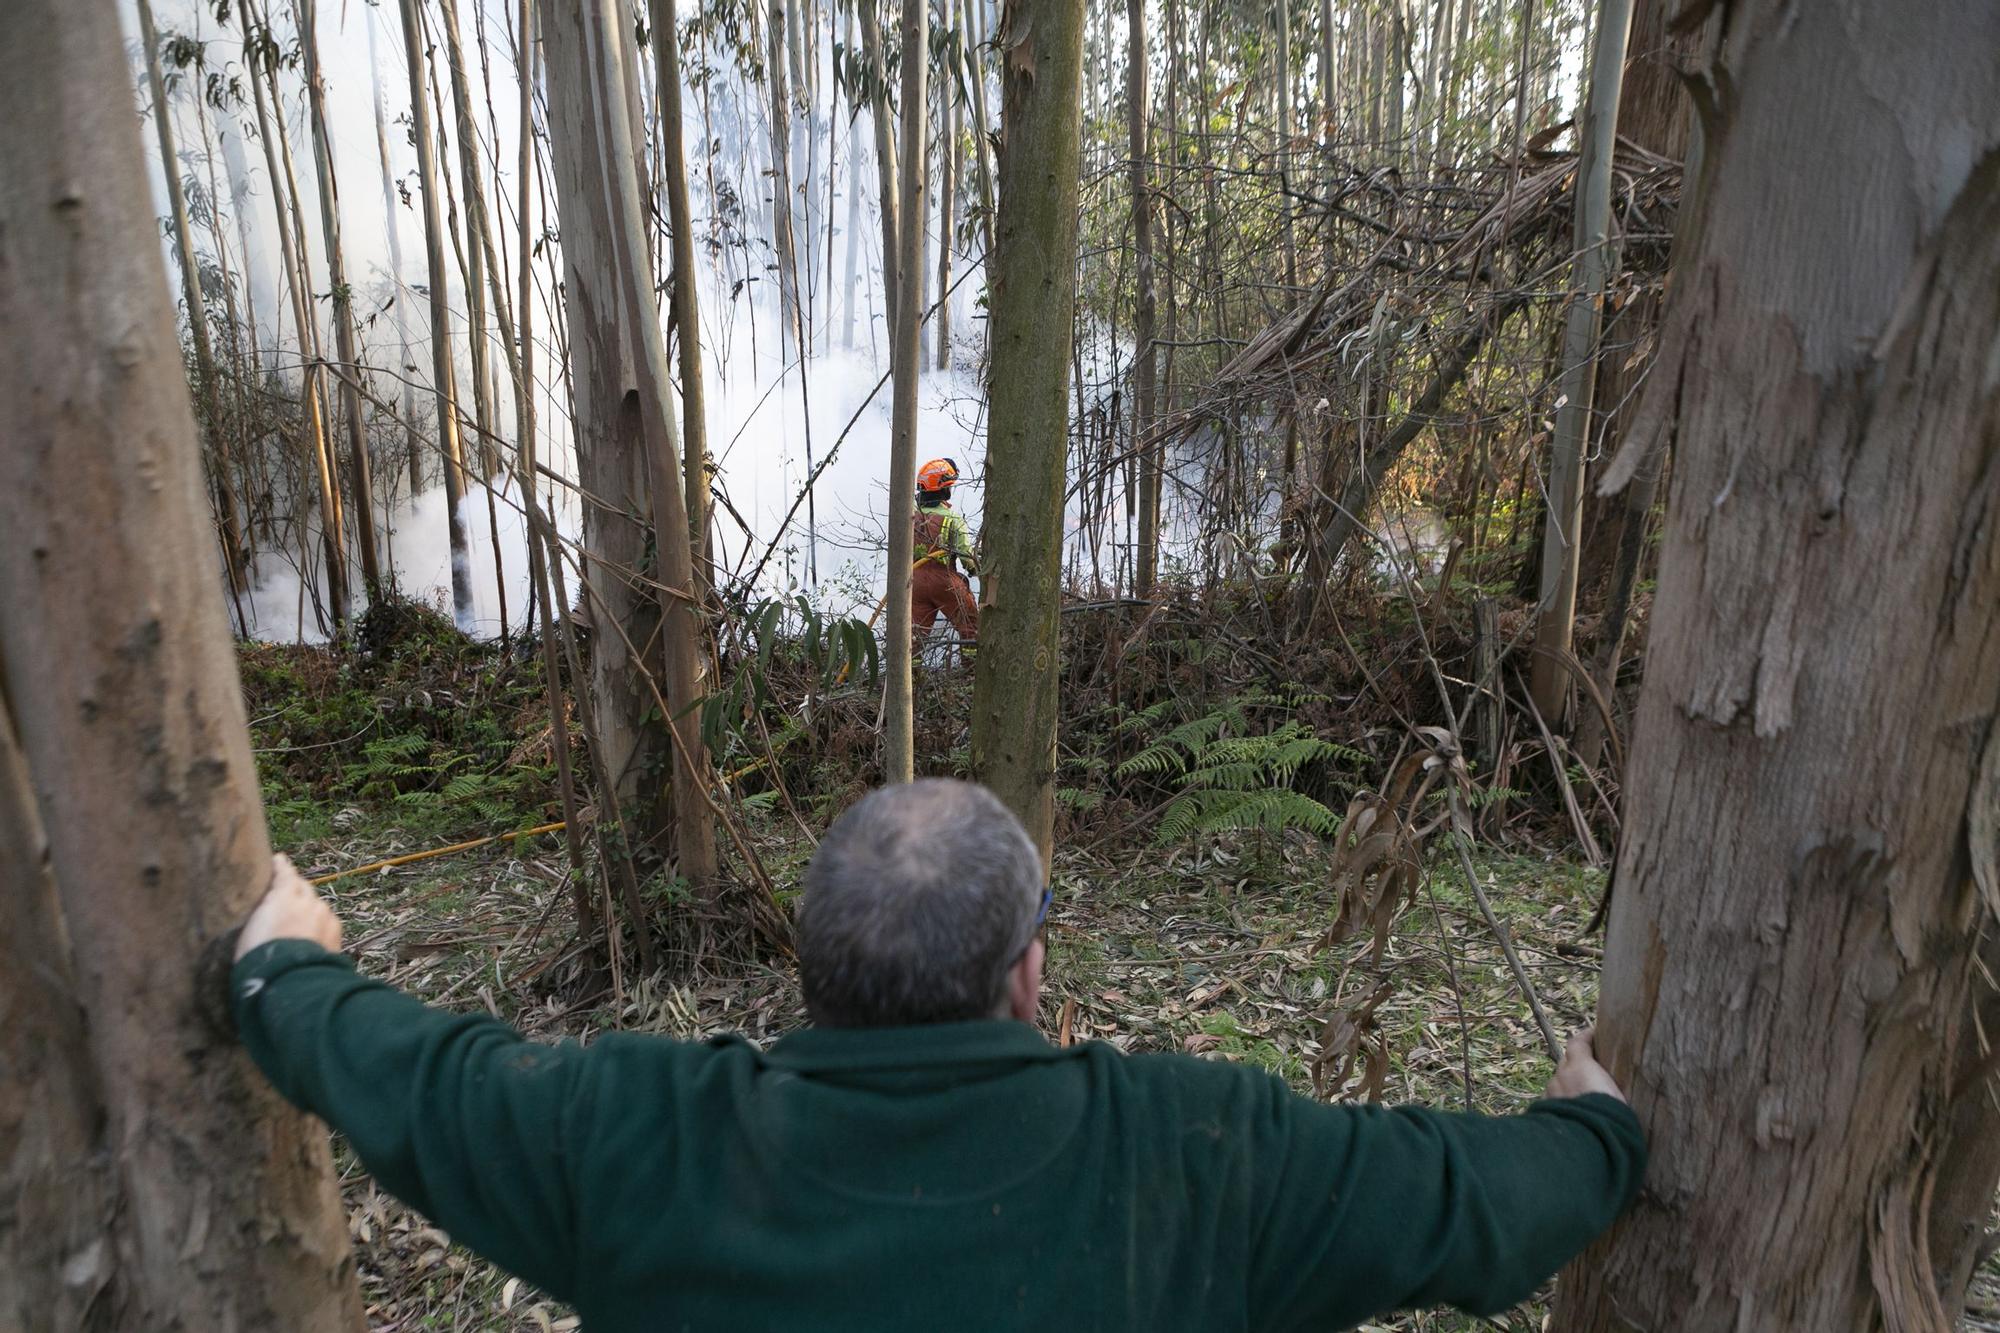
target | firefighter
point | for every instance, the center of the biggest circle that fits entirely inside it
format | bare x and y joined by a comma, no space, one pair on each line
944,557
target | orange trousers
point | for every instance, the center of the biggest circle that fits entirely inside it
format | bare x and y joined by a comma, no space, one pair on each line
938,588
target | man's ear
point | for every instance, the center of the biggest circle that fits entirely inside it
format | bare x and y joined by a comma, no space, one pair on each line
1024,982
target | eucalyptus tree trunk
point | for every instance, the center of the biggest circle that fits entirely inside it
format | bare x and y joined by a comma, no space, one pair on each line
1811,850
1655,113
292,248
628,447
1329,117
483,276
886,173
687,304
1596,261
975,72
412,446
582,894
236,168
234,324
444,376
235,563
1371,36
1462,55
1031,311
951,127
684,637
1430,88
1397,59
906,365
56,1188
805,147
784,251
1105,82
1144,354
610,448
852,287
1169,223
343,308
1282,48
1524,60
479,267
216,1206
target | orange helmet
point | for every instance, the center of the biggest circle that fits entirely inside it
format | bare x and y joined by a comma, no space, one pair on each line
937,475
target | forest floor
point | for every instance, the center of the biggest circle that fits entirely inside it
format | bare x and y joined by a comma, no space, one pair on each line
1201,952
1216,946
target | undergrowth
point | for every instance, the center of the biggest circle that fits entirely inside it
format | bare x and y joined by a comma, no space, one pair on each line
1201,783
426,731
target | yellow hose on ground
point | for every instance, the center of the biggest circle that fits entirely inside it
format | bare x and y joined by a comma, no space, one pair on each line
438,851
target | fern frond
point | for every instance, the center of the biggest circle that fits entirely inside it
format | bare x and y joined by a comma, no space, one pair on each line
1149,717
1157,760
1478,798
1236,775
1187,815
467,787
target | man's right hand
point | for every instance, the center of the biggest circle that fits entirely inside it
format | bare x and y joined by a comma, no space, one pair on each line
1579,1072
291,910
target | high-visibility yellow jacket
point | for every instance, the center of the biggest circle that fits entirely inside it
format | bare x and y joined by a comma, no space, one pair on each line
943,536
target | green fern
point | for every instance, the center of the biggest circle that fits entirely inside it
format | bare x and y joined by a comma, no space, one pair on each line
1478,798
392,765
1230,779
1149,717
1172,752
1271,811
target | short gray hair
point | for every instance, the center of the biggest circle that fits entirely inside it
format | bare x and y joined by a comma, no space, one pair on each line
919,900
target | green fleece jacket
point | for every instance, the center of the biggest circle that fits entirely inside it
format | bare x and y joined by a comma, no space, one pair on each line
964,1176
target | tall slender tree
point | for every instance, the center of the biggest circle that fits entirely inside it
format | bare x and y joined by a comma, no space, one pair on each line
1032,317
120,676
687,281
1596,260
486,297
627,442
899,759
886,173
951,128
262,49
235,564
1655,113
1811,850
412,443
852,287
1288,232
975,75
444,376
1145,356
783,250
343,306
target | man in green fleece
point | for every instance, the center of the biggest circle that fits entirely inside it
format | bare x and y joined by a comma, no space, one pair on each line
921,1158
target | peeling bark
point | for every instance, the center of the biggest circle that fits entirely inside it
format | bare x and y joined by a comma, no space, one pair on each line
628,450
57,1198
120,673
1790,967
